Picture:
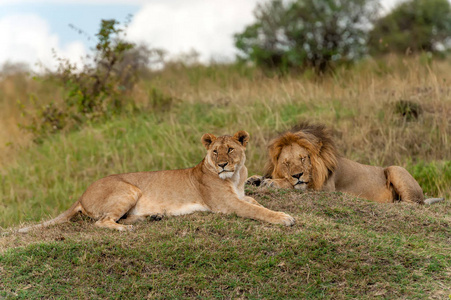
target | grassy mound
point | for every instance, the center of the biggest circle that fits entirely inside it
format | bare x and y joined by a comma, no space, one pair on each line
340,247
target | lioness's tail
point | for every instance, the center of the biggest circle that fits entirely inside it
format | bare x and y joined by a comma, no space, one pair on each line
62,218
433,200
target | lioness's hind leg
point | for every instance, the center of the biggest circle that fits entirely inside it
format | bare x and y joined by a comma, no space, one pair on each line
132,219
115,205
110,223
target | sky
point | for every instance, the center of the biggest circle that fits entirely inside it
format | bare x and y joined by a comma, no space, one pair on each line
31,31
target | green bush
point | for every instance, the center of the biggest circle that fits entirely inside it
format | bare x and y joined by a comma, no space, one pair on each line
97,90
413,26
307,33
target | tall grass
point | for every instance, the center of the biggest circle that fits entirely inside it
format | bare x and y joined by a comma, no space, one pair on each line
179,104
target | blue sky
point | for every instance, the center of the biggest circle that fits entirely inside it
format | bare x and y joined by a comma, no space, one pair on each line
30,29
60,15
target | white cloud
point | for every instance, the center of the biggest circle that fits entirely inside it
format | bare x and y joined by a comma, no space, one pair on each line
93,2
27,38
180,26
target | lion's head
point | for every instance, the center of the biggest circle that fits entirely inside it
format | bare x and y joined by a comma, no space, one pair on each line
304,156
225,153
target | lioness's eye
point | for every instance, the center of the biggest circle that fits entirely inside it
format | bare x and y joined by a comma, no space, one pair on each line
230,150
215,151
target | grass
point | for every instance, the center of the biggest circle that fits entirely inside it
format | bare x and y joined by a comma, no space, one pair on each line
340,248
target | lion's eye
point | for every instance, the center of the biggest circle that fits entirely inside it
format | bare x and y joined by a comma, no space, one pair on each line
230,150
215,151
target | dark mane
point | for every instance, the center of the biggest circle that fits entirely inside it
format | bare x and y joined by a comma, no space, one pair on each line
318,130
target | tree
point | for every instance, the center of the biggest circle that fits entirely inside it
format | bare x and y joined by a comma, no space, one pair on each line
414,25
307,33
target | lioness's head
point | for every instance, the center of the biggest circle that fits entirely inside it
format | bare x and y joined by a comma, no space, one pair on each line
304,156
225,153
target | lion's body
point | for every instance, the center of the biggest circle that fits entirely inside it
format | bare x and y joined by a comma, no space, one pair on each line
374,183
216,184
324,169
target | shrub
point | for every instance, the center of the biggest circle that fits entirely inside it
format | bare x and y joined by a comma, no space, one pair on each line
413,26
97,90
307,33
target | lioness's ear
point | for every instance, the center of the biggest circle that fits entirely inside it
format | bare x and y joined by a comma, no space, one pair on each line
207,139
242,137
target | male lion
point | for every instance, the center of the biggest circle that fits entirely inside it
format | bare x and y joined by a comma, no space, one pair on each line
306,157
215,184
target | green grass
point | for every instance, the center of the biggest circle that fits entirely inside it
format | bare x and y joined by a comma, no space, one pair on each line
340,248
434,177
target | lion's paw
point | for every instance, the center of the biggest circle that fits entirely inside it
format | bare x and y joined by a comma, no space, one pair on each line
286,219
269,183
254,180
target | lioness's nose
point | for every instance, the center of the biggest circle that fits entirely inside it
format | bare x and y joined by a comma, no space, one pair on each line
298,175
222,165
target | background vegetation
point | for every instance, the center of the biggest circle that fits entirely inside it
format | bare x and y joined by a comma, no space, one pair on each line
307,33
414,26
114,116
319,35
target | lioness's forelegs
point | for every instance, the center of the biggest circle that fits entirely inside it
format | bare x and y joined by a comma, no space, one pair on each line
245,209
251,200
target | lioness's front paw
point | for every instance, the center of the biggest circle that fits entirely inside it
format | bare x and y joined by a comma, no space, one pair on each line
286,219
255,180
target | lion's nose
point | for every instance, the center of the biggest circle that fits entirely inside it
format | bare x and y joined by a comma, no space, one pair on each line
298,175
222,165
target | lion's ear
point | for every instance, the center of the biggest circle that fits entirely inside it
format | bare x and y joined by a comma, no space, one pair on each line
207,139
242,137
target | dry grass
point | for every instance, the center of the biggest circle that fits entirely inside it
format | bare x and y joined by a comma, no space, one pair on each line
358,103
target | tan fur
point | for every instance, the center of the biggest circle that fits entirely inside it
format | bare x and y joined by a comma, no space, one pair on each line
325,170
216,184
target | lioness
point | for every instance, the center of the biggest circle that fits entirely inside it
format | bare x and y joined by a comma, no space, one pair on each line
306,157
215,184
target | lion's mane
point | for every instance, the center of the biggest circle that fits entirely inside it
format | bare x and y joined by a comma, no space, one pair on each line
318,142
